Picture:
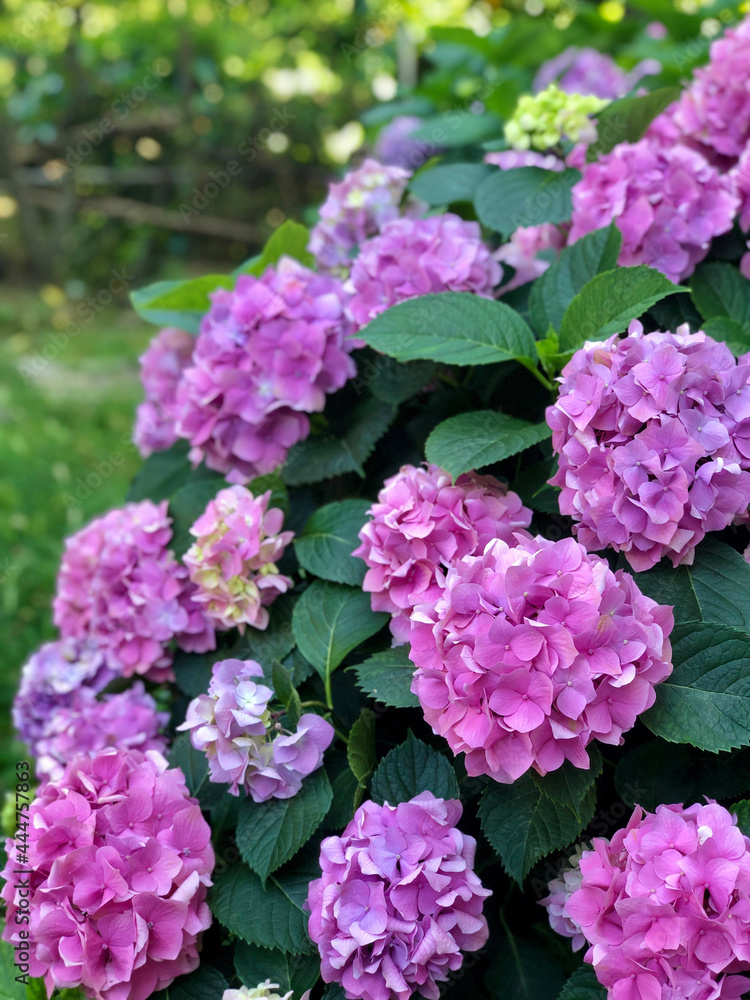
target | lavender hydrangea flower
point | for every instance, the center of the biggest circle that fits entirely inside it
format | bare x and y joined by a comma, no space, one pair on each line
587,71
162,365
268,353
413,257
233,726
356,208
397,146
398,901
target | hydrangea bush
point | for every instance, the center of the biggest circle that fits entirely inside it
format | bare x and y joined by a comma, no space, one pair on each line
420,642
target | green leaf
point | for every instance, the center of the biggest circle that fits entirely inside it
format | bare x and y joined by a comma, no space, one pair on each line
206,983
290,239
194,766
271,481
449,182
583,985
743,815
706,699
313,460
35,990
187,505
360,751
718,289
392,381
276,641
523,824
411,768
474,440
178,303
331,620
286,692
716,588
9,988
290,972
565,277
274,917
533,488
193,671
628,119
570,785
270,833
387,677
608,303
523,971
525,196
345,788
459,129
328,539
161,475
458,328
729,332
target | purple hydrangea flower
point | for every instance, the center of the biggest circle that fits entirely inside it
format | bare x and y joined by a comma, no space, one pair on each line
396,146
268,353
233,726
162,365
587,71
668,203
413,257
356,208
398,901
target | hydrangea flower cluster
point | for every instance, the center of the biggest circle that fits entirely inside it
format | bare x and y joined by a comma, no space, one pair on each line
652,436
88,724
120,860
533,651
50,680
509,159
398,901
411,257
587,71
522,251
268,353
556,902
356,208
397,146
664,905
232,561
541,121
121,588
714,110
162,365
421,523
263,991
233,726
668,203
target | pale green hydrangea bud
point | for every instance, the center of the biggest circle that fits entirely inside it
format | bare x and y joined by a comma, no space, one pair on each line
541,120
263,991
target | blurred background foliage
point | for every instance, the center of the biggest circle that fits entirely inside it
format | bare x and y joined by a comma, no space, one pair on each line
150,139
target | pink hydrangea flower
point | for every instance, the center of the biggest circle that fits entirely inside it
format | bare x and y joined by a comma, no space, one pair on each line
509,159
587,71
413,257
121,588
50,680
420,525
522,251
533,651
167,356
232,561
398,901
245,748
120,860
560,891
89,724
268,353
668,203
356,208
741,178
663,906
653,437
714,110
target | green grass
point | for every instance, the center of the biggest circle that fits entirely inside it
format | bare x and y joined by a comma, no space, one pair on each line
65,456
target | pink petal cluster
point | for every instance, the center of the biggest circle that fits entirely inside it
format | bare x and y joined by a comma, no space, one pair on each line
238,540
533,651
668,203
412,257
268,353
522,251
245,748
120,860
509,159
420,525
714,110
396,144
89,724
162,365
664,906
120,587
653,437
50,680
587,71
356,208
398,901
560,891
